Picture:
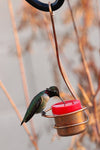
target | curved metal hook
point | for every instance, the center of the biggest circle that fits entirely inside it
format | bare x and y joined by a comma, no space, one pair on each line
45,7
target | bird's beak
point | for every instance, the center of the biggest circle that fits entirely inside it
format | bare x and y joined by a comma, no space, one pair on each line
62,100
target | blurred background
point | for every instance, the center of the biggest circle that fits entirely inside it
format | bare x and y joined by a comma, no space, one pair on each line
41,70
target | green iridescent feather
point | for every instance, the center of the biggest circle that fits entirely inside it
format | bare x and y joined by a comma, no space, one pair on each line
35,106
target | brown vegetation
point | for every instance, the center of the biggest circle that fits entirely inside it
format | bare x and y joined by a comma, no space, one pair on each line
84,16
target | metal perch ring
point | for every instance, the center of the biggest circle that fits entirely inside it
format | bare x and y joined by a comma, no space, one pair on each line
71,113
45,7
71,123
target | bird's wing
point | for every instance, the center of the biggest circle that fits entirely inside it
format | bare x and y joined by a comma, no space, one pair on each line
34,105
31,111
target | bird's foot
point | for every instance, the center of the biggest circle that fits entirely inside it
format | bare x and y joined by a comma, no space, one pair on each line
43,113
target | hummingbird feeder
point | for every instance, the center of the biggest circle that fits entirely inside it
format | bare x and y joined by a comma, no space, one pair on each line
70,118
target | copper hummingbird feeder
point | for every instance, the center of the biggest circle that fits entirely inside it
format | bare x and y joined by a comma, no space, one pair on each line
70,117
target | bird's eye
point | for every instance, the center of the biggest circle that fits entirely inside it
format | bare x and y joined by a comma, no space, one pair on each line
55,92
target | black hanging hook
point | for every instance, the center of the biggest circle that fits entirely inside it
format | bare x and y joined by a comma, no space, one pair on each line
45,7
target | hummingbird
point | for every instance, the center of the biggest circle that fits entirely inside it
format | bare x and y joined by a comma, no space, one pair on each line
39,102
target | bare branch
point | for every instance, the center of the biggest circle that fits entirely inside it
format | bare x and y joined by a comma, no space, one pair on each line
85,66
19,115
86,98
19,53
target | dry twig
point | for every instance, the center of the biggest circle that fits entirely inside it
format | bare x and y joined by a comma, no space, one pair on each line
72,143
86,98
85,66
19,52
18,115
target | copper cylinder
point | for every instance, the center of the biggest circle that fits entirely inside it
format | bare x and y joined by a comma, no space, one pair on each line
71,123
